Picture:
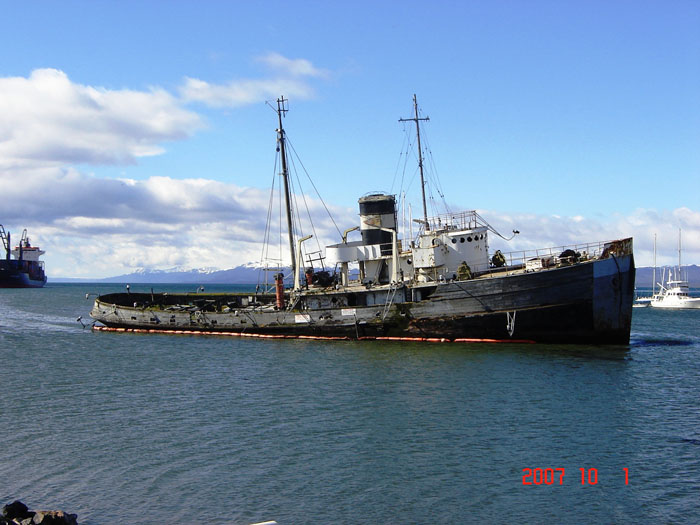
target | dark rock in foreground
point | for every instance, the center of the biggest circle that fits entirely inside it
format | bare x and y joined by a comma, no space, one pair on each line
17,513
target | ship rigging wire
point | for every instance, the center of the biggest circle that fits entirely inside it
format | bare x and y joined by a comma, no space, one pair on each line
318,194
432,180
297,194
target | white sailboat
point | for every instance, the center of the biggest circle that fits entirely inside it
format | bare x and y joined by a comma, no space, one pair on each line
674,292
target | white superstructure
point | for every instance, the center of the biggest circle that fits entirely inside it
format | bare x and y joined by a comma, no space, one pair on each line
674,292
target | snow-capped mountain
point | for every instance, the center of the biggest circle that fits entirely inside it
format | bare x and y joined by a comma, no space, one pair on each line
244,274
249,273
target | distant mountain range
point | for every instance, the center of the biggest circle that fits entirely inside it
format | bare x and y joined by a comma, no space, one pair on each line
244,274
645,274
248,274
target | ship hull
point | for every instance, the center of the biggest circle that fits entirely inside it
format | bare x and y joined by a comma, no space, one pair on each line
588,302
13,277
683,304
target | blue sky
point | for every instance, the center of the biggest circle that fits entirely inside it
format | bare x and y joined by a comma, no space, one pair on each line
136,134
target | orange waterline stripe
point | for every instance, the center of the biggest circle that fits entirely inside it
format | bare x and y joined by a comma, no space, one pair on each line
312,337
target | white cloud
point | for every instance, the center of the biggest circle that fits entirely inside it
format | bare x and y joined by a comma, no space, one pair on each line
539,231
294,67
96,227
48,120
289,78
159,222
193,223
242,92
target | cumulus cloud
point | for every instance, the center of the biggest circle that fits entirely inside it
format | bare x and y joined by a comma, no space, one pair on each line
539,231
48,120
99,226
96,227
159,222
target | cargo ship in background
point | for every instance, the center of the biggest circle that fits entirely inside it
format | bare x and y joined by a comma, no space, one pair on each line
21,267
443,284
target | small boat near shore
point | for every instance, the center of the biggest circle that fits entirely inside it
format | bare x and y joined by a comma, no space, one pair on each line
674,290
674,294
21,267
444,284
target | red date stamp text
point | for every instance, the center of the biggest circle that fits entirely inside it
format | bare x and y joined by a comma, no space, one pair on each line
555,476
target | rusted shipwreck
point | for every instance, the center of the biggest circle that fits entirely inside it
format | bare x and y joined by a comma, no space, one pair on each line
443,284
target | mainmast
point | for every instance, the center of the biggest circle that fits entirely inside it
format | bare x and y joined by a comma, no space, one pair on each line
281,110
420,157
680,271
653,279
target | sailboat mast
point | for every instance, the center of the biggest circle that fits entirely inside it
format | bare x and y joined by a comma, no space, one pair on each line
281,110
680,276
416,119
653,279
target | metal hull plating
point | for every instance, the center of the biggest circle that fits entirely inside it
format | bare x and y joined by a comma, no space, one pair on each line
13,277
587,302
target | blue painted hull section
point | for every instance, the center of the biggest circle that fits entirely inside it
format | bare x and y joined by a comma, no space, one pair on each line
11,276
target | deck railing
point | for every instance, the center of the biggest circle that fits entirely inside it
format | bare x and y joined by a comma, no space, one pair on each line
554,255
463,220
543,258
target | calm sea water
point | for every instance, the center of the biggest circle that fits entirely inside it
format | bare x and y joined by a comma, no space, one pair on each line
127,428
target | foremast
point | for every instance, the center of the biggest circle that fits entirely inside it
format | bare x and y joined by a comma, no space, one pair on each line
281,144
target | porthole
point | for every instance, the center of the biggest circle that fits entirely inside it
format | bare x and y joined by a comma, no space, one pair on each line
461,239
469,239
454,241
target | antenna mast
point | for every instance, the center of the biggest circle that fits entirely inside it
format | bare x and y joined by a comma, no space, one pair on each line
281,111
653,279
680,271
420,157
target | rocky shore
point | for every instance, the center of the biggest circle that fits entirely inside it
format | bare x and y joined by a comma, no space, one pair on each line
17,513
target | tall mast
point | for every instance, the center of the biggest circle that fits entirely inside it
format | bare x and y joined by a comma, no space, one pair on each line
281,110
680,276
420,157
653,279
